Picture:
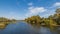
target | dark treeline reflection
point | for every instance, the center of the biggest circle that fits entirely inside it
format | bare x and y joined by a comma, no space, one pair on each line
44,29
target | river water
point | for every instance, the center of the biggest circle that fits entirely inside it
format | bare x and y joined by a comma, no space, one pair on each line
25,28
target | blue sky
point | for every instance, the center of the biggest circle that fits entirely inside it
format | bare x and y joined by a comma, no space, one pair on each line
21,9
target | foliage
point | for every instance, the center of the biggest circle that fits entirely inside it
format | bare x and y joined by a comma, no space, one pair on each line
34,19
5,21
51,20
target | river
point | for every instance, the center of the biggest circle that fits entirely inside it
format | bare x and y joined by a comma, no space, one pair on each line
25,28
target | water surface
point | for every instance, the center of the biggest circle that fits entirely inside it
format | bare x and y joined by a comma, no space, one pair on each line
25,28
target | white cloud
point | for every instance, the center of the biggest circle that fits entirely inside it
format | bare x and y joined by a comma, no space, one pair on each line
48,14
57,4
38,10
35,10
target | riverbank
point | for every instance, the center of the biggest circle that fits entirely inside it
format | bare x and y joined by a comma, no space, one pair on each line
56,25
4,24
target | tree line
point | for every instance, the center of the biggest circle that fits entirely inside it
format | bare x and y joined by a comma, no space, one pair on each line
51,20
5,21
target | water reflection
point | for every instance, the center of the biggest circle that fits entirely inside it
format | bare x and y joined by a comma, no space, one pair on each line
45,30
40,29
3,24
55,30
26,28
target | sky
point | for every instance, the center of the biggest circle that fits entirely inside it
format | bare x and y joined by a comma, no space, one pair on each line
21,9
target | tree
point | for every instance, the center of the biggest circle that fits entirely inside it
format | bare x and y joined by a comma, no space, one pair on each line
57,16
58,11
34,19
